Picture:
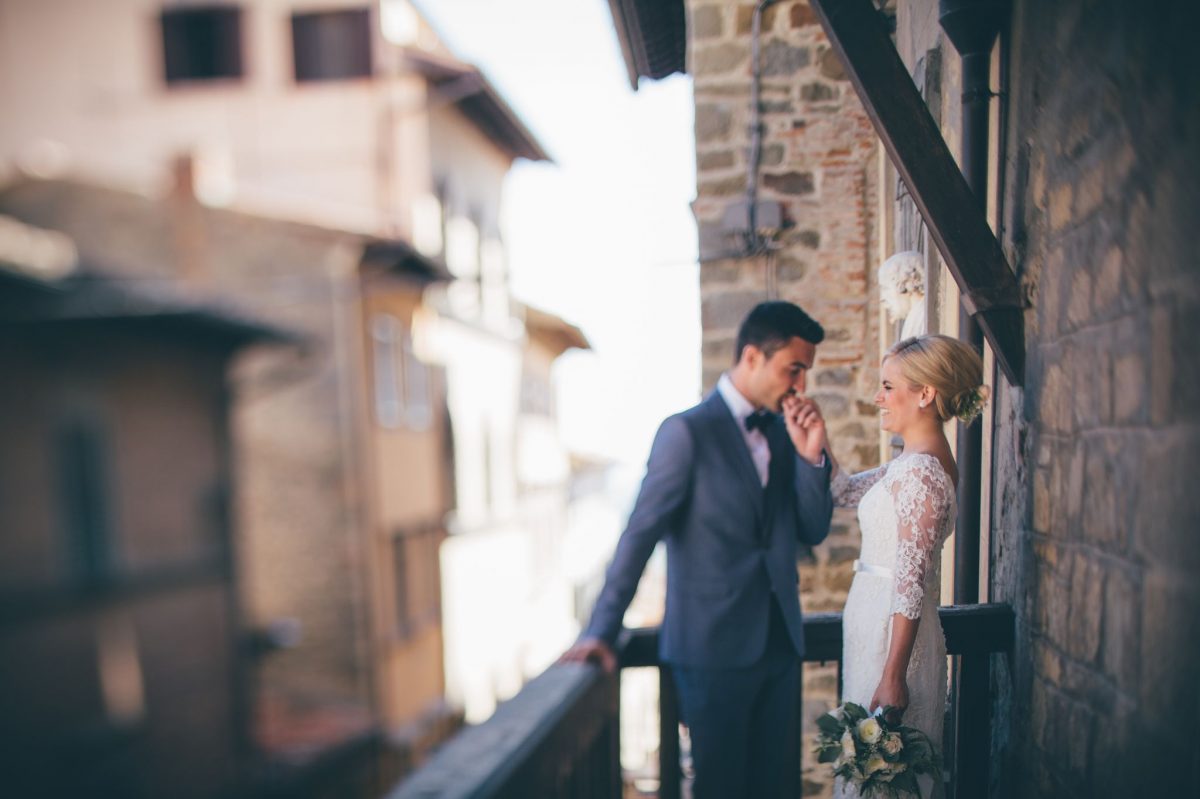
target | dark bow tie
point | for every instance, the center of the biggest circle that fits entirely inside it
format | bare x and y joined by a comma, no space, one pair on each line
759,420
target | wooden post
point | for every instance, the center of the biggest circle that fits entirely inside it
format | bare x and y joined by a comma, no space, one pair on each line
973,727
669,775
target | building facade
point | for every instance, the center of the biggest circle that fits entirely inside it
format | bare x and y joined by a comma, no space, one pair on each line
1081,175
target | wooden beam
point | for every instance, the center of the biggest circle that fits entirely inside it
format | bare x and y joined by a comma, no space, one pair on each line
913,141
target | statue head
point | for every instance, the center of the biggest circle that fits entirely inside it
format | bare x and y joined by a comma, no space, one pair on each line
902,283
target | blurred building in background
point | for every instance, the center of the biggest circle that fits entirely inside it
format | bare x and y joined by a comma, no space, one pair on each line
120,622
334,169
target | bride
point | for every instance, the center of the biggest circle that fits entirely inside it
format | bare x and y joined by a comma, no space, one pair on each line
894,653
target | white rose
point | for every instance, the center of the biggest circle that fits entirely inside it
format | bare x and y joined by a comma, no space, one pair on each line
892,744
848,745
869,730
875,763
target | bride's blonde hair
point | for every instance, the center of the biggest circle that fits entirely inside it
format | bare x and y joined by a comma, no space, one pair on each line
950,367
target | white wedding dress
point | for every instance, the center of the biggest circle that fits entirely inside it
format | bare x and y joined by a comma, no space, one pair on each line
906,512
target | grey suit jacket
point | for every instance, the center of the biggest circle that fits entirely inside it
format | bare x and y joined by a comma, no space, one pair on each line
731,544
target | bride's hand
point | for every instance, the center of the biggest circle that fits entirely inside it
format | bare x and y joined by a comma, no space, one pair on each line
891,693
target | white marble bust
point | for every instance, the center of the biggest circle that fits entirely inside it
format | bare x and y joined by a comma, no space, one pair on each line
902,291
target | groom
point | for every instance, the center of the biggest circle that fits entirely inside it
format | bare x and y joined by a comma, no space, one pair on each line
732,485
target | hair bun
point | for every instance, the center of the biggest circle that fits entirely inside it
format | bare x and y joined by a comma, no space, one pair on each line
970,403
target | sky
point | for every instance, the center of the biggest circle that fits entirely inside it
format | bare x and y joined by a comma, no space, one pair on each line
604,236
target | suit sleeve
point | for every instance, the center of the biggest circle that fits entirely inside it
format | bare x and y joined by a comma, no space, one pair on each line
664,492
814,501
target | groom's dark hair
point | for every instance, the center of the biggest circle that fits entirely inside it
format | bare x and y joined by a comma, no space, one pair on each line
771,325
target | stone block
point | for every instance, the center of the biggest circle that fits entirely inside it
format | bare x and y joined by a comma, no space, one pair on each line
796,183
772,154
722,271
816,92
715,159
854,430
834,406
839,556
1185,382
719,59
780,59
1060,206
777,107
716,348
1168,502
1105,500
839,376
1089,192
1107,289
808,238
707,22
801,14
1042,502
1086,608
1079,298
745,19
725,310
1131,389
1052,399
790,269
722,187
1170,656
1162,367
1122,615
829,64
712,122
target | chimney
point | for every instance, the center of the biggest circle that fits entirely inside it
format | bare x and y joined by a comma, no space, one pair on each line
188,226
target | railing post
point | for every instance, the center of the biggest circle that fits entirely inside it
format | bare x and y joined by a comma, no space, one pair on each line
797,734
973,726
669,775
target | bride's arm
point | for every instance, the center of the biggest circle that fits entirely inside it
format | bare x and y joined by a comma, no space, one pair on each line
848,489
922,503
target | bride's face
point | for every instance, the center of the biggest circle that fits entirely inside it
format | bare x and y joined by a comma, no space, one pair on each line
899,403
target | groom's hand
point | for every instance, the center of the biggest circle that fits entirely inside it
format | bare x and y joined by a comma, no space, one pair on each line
591,650
805,426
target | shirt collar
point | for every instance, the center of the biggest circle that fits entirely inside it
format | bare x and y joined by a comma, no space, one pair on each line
738,404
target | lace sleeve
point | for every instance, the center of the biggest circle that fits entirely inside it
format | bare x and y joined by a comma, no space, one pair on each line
848,489
923,499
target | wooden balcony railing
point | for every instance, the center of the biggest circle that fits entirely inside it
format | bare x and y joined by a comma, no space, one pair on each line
559,737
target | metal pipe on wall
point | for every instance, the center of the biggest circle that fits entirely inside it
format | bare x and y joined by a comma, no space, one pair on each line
972,26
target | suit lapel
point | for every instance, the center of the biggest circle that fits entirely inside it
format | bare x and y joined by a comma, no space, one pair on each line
725,427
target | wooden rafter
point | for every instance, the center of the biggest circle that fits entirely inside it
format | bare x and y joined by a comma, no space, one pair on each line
915,144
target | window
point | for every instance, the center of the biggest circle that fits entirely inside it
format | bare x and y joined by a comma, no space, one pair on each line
417,574
332,45
202,43
84,500
402,385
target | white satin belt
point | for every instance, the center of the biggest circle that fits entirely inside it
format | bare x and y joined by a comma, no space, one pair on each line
869,568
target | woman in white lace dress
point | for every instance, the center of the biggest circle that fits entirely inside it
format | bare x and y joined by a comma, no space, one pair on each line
894,653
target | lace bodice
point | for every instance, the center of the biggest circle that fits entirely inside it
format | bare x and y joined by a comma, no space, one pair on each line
906,512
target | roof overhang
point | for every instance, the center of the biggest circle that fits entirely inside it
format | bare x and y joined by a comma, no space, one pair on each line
396,255
474,95
555,331
82,299
652,35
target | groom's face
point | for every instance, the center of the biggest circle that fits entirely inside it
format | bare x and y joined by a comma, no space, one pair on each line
784,373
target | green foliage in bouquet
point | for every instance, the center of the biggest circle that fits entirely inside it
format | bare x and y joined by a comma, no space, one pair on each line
881,759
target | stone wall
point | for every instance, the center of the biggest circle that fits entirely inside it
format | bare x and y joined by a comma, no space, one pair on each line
1094,534
820,161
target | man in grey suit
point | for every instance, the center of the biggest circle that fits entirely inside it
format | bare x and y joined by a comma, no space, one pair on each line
732,485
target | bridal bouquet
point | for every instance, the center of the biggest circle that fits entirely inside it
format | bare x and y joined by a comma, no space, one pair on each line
879,758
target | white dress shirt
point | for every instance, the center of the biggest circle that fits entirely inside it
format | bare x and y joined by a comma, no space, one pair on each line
756,440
